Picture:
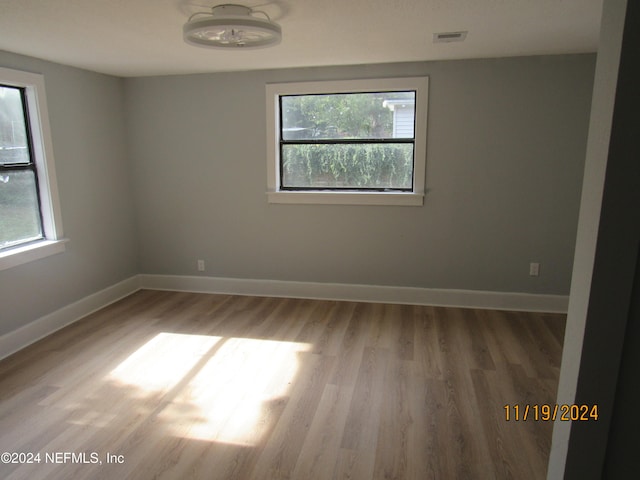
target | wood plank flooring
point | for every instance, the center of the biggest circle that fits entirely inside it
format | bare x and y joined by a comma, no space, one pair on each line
178,385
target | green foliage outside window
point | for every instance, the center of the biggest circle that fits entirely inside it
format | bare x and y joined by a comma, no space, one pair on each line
342,124
348,166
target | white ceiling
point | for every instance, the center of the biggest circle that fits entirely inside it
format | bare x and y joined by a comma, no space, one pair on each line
144,37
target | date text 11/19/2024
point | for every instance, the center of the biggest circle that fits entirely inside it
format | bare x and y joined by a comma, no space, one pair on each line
551,413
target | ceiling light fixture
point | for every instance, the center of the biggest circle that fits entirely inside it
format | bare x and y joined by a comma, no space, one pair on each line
231,26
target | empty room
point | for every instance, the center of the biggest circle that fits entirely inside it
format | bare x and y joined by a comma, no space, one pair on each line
318,240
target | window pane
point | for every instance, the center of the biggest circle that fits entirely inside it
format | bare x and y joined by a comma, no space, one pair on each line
19,211
13,132
348,115
388,165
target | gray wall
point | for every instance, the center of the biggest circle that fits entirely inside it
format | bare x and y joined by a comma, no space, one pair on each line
157,172
86,116
506,148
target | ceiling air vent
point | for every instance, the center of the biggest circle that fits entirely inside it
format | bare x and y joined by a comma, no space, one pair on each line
445,37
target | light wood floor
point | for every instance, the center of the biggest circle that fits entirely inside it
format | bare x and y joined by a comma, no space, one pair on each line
182,385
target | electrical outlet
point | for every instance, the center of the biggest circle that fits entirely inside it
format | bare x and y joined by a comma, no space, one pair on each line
201,265
534,269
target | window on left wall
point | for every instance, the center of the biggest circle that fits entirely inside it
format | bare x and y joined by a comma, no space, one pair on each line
30,223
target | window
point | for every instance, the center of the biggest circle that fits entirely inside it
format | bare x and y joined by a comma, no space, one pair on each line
347,142
30,226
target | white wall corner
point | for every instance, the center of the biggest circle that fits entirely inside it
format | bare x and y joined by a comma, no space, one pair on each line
601,120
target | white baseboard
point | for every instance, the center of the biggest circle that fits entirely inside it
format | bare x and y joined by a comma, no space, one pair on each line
13,341
18,339
364,293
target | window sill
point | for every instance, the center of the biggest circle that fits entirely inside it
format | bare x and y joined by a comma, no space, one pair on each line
347,198
29,253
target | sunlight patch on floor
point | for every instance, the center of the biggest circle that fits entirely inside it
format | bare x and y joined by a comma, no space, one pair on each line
233,391
163,361
225,389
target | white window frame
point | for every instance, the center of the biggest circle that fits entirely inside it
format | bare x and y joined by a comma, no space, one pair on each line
53,241
414,198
